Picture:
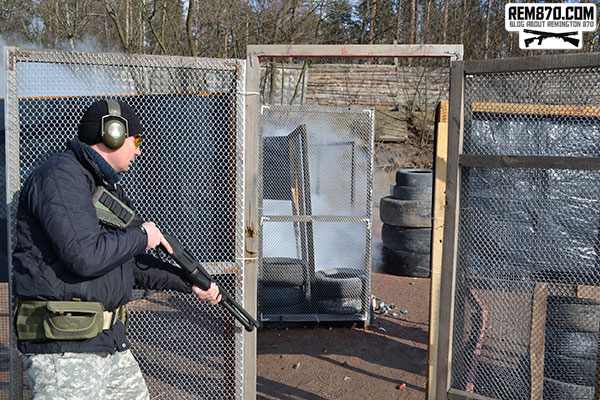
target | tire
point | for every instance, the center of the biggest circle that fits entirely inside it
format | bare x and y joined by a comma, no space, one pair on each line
414,177
578,371
339,306
300,308
557,390
405,213
338,283
412,193
416,240
572,344
405,263
281,296
573,314
283,272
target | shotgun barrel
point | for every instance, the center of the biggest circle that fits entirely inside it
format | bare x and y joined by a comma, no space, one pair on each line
196,274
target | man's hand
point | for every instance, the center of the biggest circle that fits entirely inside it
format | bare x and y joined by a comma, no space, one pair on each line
155,237
211,295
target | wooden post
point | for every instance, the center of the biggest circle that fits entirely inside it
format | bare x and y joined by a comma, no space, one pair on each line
449,245
437,240
537,339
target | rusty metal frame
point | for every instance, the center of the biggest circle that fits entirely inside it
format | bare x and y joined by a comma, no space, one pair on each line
257,53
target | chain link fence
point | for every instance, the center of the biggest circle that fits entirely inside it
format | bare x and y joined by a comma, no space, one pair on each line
189,180
527,299
316,190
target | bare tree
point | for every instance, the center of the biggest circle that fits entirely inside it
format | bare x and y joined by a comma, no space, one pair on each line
445,21
192,43
223,28
413,22
372,28
487,29
114,8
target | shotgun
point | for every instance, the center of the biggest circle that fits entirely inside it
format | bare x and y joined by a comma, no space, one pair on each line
196,274
545,35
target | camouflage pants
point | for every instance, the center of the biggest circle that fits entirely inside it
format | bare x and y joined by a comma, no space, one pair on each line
74,376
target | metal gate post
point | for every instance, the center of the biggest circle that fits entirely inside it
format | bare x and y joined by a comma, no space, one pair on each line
12,187
251,217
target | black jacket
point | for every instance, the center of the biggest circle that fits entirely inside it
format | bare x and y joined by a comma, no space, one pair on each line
63,253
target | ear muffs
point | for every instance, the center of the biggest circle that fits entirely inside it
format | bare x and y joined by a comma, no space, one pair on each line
114,126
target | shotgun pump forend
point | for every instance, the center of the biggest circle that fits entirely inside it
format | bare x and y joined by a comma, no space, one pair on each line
196,274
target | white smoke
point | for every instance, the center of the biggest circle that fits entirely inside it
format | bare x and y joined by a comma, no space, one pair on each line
67,87
338,179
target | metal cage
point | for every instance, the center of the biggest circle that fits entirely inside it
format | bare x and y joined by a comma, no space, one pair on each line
315,191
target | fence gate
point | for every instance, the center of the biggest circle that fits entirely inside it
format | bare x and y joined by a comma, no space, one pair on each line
189,180
315,192
522,237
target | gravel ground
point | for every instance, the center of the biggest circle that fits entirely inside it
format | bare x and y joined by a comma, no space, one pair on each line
325,362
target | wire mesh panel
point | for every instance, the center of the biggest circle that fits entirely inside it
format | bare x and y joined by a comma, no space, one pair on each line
315,190
527,304
189,180
4,308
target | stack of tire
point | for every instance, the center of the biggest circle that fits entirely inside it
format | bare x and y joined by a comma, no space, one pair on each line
339,291
406,217
283,284
571,350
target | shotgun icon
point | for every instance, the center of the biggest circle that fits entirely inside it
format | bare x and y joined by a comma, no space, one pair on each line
545,35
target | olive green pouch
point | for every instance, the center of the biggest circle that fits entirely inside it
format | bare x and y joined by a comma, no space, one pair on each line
73,320
111,211
28,320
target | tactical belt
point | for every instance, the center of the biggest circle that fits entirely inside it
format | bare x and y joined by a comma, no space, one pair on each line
64,320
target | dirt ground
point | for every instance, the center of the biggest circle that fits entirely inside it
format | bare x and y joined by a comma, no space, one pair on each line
389,361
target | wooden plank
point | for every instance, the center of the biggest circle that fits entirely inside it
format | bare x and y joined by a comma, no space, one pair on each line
440,387
454,394
391,126
536,109
562,289
437,236
537,339
550,162
519,64
588,292
371,68
452,51
499,284
519,286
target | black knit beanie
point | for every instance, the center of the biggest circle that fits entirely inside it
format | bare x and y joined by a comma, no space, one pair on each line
89,130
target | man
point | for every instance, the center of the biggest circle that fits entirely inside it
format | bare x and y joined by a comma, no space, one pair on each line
73,275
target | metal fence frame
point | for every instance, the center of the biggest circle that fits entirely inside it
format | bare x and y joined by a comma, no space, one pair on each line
441,387
245,342
257,53
305,217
